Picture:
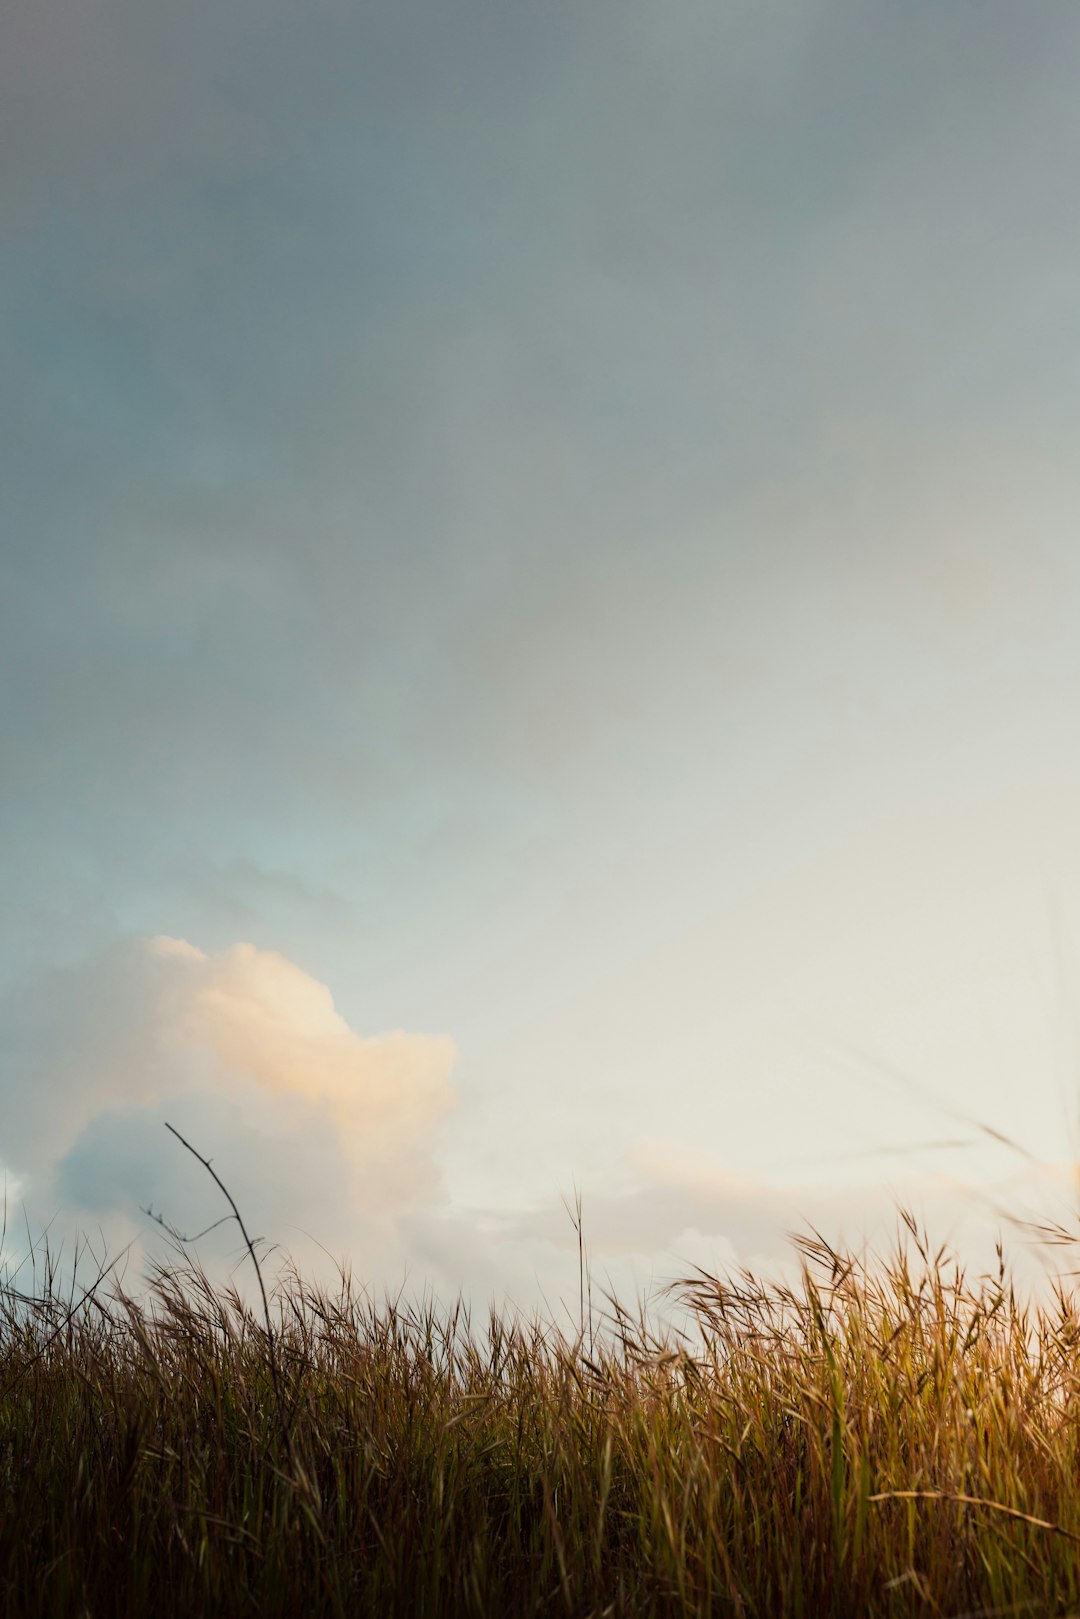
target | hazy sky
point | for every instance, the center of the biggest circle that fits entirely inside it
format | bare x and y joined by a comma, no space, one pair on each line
540,631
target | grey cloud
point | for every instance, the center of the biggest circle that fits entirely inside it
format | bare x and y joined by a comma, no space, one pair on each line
124,1162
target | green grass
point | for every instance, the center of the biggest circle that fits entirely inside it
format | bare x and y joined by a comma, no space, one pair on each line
879,1439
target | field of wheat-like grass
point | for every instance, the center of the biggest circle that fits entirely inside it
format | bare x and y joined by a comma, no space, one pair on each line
879,1439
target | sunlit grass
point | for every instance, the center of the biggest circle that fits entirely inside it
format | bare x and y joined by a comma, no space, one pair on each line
878,1439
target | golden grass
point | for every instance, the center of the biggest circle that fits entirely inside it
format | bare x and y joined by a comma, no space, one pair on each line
879,1439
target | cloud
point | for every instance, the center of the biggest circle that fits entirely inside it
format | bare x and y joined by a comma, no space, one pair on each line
259,1018
675,1210
331,1143
244,1052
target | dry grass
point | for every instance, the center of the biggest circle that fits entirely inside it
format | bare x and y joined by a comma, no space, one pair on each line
877,1440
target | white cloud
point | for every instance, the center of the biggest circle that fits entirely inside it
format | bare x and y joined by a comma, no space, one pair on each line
308,1122
330,1140
258,1018
674,1210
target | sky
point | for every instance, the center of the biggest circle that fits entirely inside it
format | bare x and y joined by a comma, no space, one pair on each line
539,587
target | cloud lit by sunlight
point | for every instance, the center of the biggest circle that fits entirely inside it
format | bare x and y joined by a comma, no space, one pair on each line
260,1018
313,1124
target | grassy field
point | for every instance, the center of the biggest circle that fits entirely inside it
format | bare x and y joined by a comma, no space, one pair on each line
875,1440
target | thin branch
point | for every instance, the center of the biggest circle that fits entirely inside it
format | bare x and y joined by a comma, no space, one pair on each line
275,1376
178,1235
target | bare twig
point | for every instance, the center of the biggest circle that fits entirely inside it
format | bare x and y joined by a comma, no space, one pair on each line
275,1375
174,1232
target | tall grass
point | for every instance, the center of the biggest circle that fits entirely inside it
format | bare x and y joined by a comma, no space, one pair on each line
877,1439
